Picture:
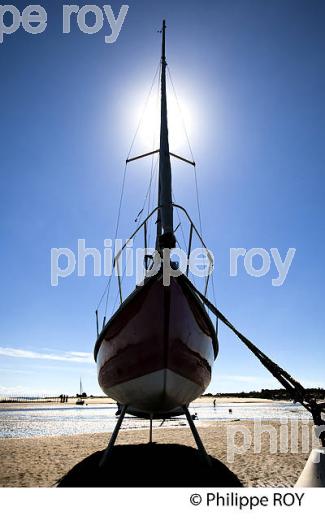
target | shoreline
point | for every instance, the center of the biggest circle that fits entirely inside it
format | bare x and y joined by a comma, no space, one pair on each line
108,401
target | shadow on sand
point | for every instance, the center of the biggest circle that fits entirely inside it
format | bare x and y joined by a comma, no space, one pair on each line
149,465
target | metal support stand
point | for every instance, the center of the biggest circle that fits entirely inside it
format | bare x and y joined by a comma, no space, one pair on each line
196,436
150,431
113,437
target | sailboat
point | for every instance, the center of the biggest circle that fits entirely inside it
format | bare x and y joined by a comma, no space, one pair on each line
80,401
155,354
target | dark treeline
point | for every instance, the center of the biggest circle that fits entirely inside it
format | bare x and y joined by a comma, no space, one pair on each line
279,394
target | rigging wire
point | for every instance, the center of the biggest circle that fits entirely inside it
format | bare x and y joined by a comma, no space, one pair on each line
154,164
146,196
118,291
107,287
195,170
179,218
152,182
115,236
198,200
153,158
143,111
155,188
213,289
214,300
154,136
190,149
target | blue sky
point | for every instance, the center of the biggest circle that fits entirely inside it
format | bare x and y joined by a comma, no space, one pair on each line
253,74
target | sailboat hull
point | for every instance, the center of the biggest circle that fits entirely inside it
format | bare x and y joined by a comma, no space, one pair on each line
157,351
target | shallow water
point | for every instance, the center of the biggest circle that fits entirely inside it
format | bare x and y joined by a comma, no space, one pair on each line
69,420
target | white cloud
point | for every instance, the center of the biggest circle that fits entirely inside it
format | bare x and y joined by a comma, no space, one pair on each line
74,357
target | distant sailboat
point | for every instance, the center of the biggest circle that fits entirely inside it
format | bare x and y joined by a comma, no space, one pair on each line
80,401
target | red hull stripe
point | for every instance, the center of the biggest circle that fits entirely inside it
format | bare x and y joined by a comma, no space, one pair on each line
183,361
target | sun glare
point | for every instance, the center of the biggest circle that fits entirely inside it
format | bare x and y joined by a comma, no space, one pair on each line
180,116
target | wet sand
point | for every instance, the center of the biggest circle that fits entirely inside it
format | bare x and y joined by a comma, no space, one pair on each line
42,461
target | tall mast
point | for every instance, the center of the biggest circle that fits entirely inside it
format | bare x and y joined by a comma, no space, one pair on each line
165,230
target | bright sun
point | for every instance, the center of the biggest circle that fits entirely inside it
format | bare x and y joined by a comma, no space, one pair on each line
179,119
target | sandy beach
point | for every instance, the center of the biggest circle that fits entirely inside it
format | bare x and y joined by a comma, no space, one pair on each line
41,461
